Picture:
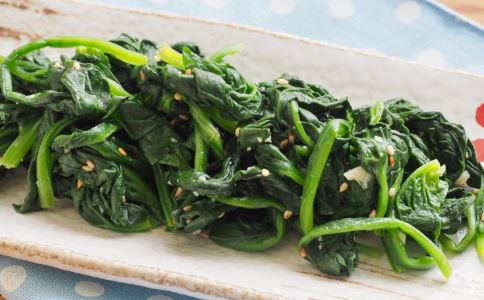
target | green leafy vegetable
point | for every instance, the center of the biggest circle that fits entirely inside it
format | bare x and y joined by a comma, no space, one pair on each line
139,136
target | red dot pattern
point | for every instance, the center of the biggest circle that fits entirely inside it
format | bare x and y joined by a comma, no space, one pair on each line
479,145
480,115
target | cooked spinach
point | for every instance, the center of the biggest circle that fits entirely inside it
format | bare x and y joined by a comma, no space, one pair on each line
140,136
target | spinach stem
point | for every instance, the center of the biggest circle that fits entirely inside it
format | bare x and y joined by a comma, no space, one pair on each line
229,50
479,202
250,202
116,89
115,50
44,162
468,238
14,154
92,136
302,151
298,126
201,156
254,242
392,237
395,248
30,77
317,162
208,131
480,244
370,224
171,56
166,200
382,202
225,124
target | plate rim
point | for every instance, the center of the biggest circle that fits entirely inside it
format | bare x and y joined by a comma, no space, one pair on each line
189,284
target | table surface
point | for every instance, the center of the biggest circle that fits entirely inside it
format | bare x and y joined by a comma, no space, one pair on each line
473,9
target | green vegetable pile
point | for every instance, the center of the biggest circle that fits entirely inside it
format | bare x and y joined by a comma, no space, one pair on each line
141,136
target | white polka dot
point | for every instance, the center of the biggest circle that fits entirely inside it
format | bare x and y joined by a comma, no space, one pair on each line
160,297
432,57
282,7
215,3
408,12
12,277
89,289
341,9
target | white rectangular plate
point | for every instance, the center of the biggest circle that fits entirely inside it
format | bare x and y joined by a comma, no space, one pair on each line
62,239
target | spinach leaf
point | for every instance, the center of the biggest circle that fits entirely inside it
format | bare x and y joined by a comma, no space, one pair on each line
110,195
335,255
157,141
420,198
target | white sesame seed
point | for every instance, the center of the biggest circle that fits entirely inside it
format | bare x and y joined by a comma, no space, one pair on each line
343,187
123,199
265,172
259,139
183,117
122,152
249,149
76,66
392,192
90,164
79,184
237,132
87,168
178,192
173,140
287,214
177,96
197,232
372,213
188,221
169,182
195,194
390,150
187,208
282,81
221,215
157,58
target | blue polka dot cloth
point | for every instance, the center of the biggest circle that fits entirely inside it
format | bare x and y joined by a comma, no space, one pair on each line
422,31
